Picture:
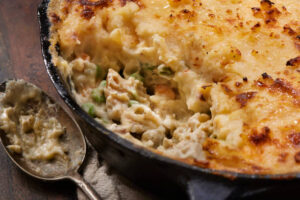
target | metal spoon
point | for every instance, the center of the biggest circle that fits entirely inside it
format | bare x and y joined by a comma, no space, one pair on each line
51,171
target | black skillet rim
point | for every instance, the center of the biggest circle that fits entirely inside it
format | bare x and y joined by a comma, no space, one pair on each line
64,94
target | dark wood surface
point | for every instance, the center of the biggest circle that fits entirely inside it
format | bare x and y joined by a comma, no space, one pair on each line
20,57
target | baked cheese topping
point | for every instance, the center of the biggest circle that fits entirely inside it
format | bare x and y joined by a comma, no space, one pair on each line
214,83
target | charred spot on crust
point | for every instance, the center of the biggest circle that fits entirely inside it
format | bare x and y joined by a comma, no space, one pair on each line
54,18
124,2
87,13
243,98
260,138
297,157
245,79
185,11
100,3
186,14
256,26
226,88
267,11
279,85
273,12
295,138
293,62
89,6
256,11
266,4
212,15
284,8
287,29
236,53
260,84
282,157
272,15
265,75
238,84
270,21
285,87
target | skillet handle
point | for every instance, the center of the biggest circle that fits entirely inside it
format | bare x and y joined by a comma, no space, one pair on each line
203,189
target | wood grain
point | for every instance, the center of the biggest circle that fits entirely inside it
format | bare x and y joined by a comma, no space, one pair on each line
20,57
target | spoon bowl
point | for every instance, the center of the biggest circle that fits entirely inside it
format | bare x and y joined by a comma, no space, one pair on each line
72,138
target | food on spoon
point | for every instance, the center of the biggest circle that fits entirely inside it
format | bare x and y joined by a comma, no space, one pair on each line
28,118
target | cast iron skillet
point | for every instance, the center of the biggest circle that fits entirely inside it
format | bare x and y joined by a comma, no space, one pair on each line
169,177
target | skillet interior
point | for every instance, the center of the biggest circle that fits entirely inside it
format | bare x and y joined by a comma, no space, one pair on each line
136,162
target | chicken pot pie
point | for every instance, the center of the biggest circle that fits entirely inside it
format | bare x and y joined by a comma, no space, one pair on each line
214,83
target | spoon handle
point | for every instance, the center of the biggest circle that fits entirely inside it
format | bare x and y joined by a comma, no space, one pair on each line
84,186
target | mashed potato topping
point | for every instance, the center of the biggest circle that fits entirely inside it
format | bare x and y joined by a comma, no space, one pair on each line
215,83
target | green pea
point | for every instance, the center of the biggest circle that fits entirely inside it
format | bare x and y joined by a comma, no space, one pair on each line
98,96
147,66
137,76
103,84
89,108
104,121
167,71
131,102
151,67
99,72
134,94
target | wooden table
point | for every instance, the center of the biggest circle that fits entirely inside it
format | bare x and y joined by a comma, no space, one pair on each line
20,57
